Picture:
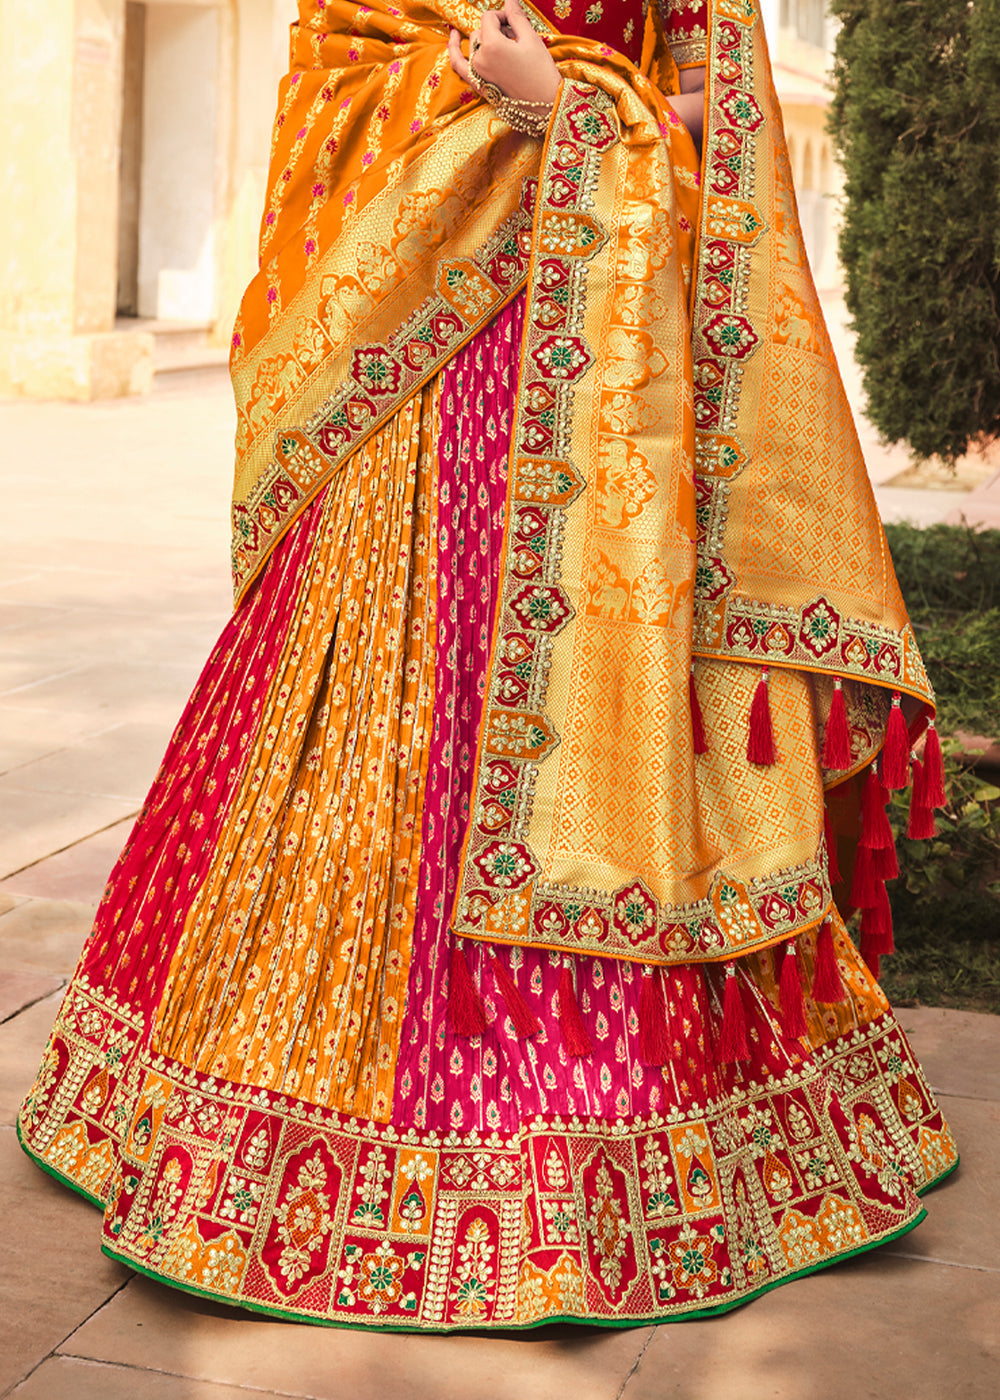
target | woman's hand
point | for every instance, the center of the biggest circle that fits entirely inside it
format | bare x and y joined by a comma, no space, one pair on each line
509,53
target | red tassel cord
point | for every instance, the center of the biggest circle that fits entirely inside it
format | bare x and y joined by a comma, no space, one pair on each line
733,1042
896,753
833,865
937,795
827,985
465,1008
864,886
793,1011
654,1037
921,825
693,1005
526,1023
697,721
574,1032
876,927
760,742
885,864
837,735
876,833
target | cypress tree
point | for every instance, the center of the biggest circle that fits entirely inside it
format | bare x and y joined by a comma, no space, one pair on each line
916,119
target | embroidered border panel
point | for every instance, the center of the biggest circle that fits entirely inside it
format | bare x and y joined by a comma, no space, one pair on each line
252,1198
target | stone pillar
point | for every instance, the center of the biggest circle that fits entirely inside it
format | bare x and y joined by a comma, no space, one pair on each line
60,118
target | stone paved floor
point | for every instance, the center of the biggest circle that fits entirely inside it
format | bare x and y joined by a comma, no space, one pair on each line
112,589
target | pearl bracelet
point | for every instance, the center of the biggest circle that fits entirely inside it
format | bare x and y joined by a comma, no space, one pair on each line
530,118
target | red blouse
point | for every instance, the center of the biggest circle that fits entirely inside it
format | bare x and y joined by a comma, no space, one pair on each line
618,23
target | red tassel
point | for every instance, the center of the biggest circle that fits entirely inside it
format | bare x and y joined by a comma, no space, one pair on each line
693,996
876,926
833,865
760,743
465,1008
885,864
697,722
525,1021
827,985
876,833
896,753
921,825
733,1043
574,1032
864,886
654,1037
793,1012
937,795
837,736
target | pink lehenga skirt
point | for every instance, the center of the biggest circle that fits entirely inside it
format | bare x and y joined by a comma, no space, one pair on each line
263,1071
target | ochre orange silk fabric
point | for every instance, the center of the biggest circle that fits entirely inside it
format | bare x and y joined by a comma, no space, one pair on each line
686,485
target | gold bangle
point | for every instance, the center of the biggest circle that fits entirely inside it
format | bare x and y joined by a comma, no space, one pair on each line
529,118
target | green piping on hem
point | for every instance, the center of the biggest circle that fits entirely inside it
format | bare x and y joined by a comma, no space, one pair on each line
54,1172
718,1310
653,1320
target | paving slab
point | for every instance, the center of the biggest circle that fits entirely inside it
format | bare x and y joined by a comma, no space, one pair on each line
35,824
43,935
120,762
53,1275
151,692
151,1326
113,633
879,1328
27,734
22,1043
78,873
963,1214
65,1378
19,990
959,1050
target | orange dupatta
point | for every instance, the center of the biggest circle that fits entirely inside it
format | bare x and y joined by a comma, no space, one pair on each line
685,477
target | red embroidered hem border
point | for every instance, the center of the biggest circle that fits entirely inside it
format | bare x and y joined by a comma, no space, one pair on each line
259,1200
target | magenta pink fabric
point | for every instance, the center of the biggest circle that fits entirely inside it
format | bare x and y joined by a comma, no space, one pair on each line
494,1081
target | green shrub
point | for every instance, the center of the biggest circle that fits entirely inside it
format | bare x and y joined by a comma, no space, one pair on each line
946,902
916,121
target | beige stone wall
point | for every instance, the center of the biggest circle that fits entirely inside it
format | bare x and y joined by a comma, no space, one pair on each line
210,74
801,39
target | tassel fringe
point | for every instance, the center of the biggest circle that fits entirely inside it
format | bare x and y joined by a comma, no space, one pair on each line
876,927
654,1037
896,753
921,825
574,1033
937,795
761,748
876,833
793,1012
837,737
526,1023
465,1008
697,720
827,985
733,1042
864,886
